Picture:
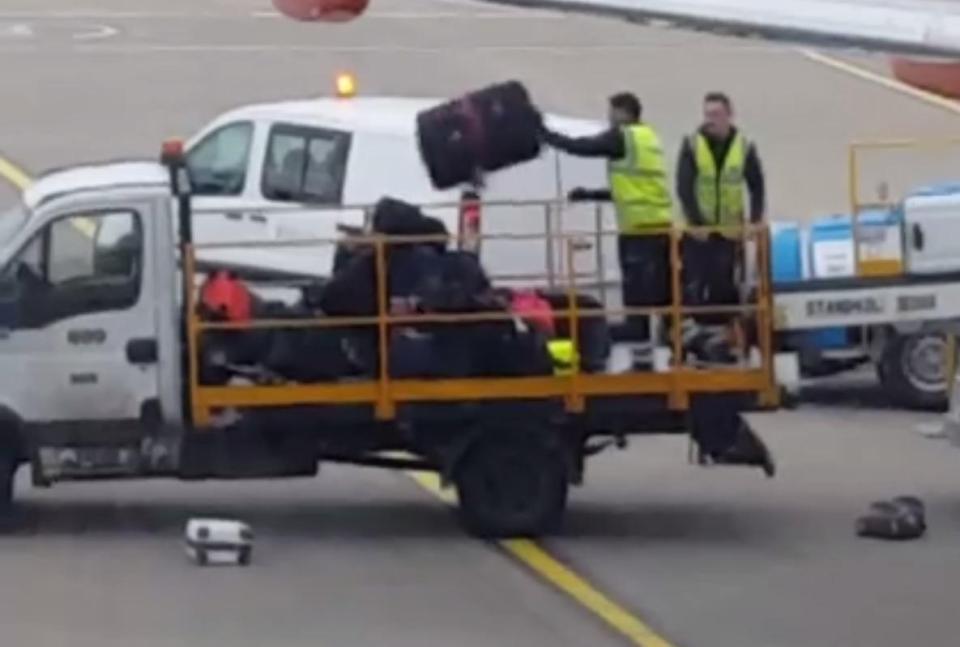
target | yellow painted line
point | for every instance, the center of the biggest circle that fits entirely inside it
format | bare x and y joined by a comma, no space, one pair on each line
562,577
19,178
879,79
14,174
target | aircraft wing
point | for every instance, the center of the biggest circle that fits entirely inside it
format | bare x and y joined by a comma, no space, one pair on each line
913,27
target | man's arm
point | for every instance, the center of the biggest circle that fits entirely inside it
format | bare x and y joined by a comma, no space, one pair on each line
686,185
753,174
608,144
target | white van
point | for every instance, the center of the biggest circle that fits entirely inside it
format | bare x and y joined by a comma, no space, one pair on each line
250,169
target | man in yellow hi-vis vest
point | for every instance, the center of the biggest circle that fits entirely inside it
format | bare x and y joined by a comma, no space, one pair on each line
716,167
640,192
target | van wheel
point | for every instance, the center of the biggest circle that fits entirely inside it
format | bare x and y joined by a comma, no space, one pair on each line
913,370
512,484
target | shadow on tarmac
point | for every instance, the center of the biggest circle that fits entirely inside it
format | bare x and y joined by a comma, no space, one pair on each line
321,521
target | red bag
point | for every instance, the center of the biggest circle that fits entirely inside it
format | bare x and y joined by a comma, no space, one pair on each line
534,309
227,297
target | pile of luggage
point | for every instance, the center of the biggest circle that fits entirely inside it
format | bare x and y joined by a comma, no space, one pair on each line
484,131
423,277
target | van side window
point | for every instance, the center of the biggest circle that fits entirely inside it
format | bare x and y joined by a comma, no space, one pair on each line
79,264
218,162
305,165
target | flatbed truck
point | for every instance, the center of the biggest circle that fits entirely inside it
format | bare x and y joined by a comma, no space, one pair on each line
104,351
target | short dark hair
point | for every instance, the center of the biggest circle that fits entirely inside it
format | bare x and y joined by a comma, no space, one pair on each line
718,97
628,102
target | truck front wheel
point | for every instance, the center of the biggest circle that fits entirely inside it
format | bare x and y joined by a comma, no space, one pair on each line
913,370
512,484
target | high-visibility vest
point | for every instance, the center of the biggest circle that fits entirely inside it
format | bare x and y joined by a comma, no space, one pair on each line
720,193
565,356
638,181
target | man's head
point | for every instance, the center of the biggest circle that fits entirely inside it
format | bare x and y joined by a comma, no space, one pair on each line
625,109
717,114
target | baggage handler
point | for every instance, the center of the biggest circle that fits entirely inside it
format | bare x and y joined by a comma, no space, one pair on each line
716,167
639,191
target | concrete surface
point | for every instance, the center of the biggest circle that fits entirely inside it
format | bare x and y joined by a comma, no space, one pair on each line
365,558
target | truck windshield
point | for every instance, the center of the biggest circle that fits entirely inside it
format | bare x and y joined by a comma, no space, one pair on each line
11,221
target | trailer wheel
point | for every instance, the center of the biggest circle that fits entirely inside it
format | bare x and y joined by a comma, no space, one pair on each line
512,484
8,470
9,463
913,371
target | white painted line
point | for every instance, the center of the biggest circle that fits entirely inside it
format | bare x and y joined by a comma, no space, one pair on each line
478,12
433,15
559,49
97,32
19,30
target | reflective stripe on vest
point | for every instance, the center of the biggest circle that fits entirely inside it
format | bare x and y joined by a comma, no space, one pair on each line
720,196
638,182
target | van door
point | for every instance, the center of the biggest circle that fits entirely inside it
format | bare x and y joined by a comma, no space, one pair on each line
220,172
79,326
303,178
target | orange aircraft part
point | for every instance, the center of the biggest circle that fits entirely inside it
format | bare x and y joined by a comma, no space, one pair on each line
322,10
939,77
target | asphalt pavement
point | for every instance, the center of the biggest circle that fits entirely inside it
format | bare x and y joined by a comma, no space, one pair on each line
705,557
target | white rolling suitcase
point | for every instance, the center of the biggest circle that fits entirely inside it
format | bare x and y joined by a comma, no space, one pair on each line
218,541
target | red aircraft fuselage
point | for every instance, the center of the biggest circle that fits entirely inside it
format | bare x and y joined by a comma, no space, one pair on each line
940,77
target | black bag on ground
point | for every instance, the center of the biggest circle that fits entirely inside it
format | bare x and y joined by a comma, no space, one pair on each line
486,130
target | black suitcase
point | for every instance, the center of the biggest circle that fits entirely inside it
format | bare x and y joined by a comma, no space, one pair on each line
486,130
511,125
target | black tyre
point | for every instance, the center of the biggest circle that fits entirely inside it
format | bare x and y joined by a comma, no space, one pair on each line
8,471
245,556
913,370
512,484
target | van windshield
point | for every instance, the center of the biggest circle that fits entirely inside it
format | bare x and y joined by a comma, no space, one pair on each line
11,221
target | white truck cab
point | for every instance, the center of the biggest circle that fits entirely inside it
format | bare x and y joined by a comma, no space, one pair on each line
298,169
81,288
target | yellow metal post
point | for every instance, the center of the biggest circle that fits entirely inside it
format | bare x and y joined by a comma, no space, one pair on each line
385,405
575,401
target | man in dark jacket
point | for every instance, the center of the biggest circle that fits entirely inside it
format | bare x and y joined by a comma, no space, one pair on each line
716,166
639,191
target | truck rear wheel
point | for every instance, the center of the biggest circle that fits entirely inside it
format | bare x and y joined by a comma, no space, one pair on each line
8,470
512,484
913,370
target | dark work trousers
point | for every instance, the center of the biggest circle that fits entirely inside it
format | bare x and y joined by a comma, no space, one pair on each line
645,268
710,276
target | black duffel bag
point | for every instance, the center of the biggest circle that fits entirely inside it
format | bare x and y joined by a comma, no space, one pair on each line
487,130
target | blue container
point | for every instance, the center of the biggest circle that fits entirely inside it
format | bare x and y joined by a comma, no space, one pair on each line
786,265
834,227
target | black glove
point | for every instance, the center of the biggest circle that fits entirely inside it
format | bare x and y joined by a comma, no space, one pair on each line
578,194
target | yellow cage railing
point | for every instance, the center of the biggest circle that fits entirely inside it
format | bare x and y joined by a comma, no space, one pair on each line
385,393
